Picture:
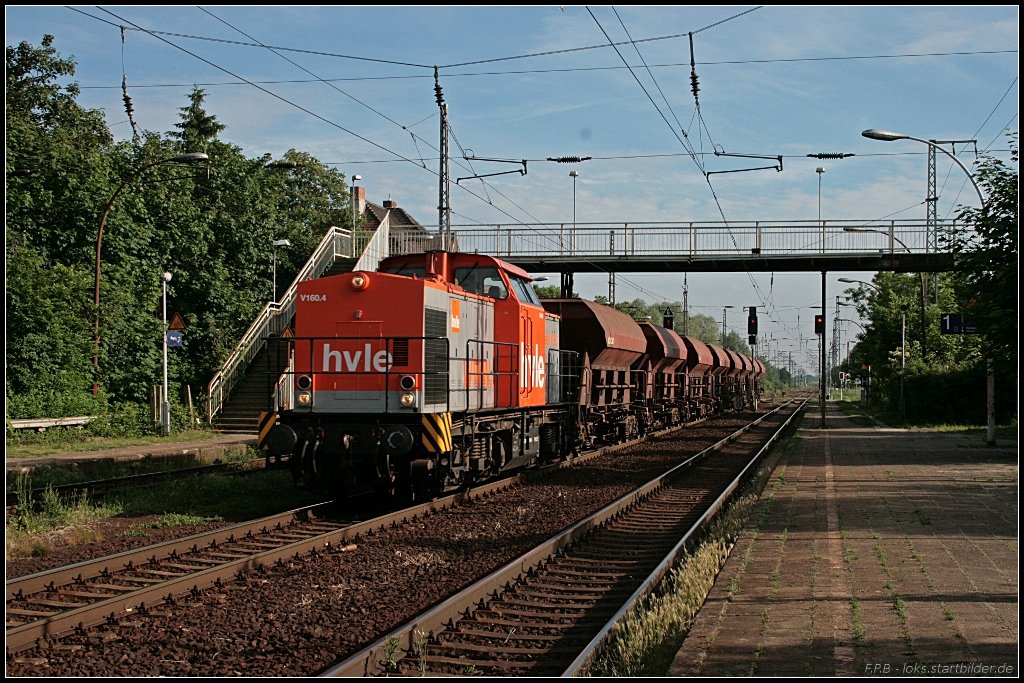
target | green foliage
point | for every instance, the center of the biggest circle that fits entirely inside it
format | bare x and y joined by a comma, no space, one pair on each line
988,257
551,292
211,226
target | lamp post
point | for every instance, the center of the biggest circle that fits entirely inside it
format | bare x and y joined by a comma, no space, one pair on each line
889,136
355,203
165,406
924,286
573,174
278,243
819,171
189,158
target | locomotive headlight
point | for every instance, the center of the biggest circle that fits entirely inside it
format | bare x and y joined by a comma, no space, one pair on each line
360,281
305,398
304,382
408,399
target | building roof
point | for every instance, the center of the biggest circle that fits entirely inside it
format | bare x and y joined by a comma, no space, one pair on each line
401,221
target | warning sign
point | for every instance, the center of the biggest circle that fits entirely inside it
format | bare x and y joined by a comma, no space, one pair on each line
177,323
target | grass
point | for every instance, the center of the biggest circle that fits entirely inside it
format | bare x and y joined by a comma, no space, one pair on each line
858,627
857,414
646,641
61,521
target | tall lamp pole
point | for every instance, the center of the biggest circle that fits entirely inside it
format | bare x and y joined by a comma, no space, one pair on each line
355,202
924,286
165,406
574,175
189,158
889,136
819,171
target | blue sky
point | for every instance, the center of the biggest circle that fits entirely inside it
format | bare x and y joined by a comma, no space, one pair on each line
774,80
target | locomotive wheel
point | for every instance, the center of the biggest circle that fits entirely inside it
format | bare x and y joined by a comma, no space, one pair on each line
387,476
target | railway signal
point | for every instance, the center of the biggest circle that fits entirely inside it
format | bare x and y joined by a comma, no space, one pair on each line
752,322
819,324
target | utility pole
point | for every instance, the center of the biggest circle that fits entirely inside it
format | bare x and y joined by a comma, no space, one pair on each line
686,307
444,218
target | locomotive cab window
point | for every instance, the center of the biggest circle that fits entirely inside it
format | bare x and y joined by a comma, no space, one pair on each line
408,270
524,290
483,280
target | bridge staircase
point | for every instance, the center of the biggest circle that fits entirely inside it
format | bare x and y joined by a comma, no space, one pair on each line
244,386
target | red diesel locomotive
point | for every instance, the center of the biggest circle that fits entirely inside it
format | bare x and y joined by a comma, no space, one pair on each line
441,368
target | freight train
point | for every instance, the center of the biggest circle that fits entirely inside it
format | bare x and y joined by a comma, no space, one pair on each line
443,368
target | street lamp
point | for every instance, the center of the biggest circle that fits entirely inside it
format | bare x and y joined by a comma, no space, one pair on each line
574,175
355,200
924,286
819,171
165,406
189,158
889,136
860,282
278,243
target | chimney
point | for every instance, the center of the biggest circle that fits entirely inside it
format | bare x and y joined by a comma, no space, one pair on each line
360,199
389,204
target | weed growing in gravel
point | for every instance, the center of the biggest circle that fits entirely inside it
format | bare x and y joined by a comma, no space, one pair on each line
33,530
419,648
169,521
389,650
645,643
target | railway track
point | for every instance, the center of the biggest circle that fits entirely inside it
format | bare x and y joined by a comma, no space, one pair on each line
549,612
44,632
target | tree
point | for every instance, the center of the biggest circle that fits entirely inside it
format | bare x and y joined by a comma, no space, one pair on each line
212,228
551,292
197,128
57,182
988,257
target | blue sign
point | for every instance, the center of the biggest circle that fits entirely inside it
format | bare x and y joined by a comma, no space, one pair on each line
175,338
951,323
955,323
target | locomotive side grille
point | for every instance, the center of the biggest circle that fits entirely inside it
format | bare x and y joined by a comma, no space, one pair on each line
400,352
435,356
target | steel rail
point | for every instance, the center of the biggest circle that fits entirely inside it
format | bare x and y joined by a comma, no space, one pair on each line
368,660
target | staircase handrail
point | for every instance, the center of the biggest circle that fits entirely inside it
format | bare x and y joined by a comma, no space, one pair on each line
274,318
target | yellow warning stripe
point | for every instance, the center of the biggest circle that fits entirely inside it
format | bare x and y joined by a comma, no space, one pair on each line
266,421
437,433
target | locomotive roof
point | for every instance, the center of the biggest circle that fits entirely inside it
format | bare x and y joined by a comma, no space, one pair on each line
460,255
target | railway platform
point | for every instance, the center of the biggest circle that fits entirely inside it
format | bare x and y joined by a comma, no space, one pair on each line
872,551
203,450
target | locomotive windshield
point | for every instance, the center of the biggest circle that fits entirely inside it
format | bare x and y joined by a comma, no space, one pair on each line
407,269
484,280
524,290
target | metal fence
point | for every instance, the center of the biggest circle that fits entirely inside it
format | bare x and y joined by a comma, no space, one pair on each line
644,239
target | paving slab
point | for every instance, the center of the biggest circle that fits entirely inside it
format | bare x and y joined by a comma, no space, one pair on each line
874,551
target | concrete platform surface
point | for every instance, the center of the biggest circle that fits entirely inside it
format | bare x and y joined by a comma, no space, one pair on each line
203,450
872,551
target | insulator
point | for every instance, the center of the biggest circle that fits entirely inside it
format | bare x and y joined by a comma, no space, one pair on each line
830,155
